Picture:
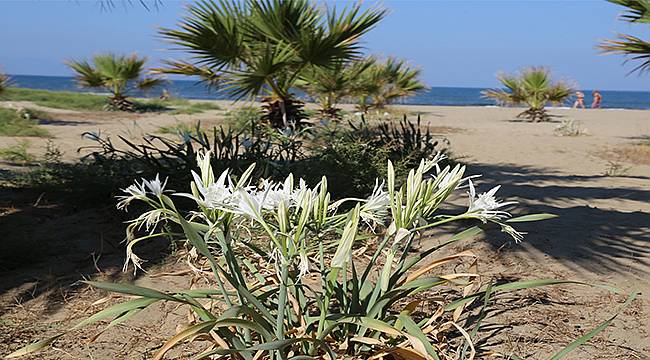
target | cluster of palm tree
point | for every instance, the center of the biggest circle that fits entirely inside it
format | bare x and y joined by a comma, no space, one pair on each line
636,48
370,82
117,74
532,87
271,48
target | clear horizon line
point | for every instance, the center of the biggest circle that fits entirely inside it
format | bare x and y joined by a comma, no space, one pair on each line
429,86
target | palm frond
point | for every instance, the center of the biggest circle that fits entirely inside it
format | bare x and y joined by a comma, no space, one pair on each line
532,86
86,75
638,10
636,49
148,83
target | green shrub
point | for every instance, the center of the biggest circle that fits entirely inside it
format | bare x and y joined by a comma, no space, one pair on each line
243,118
17,153
20,123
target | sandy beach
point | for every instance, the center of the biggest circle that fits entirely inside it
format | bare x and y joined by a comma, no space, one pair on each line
598,183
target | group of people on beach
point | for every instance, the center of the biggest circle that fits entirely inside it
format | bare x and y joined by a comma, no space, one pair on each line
580,101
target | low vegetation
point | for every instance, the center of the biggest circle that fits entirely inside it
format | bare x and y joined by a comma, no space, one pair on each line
534,88
17,153
56,99
20,123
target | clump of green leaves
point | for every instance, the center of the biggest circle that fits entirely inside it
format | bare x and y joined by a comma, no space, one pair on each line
309,292
534,88
17,153
20,123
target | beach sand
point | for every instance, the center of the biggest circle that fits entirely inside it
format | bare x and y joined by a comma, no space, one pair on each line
597,183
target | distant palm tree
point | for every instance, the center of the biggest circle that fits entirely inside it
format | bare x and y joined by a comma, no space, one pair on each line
637,49
533,87
328,86
265,47
5,81
117,74
385,82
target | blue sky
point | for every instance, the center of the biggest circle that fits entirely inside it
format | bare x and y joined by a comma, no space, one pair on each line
456,43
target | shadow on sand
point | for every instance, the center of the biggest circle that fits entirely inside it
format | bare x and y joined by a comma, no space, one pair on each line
593,238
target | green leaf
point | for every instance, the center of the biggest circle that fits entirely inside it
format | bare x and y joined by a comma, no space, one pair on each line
588,336
524,284
131,290
33,347
347,240
532,217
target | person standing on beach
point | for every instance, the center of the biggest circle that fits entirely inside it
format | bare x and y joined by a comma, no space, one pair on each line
597,99
580,101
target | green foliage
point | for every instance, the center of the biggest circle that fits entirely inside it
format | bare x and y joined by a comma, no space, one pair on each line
117,74
5,81
533,87
632,46
20,123
308,153
384,82
243,118
55,99
252,48
310,292
328,86
17,153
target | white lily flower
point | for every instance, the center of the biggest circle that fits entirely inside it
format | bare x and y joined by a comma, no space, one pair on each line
155,186
303,266
134,192
250,205
375,209
485,206
516,235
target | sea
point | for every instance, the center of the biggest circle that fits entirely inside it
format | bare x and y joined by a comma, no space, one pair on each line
445,96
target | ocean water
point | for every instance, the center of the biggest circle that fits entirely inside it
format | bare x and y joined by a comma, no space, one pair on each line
449,96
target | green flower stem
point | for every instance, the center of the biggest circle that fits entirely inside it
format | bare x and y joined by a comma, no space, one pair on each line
282,303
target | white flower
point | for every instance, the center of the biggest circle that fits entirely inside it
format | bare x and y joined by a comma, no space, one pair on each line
134,192
375,209
155,186
303,266
218,195
485,206
250,204
516,235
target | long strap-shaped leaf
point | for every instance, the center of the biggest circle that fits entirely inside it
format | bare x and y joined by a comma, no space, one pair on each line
520,285
206,326
121,310
588,336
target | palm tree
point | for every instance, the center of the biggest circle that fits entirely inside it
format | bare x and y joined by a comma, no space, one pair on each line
533,87
265,47
632,46
116,73
328,86
5,81
385,82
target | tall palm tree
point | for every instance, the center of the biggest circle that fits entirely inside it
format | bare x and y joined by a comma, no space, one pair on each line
329,85
533,87
385,82
117,74
632,46
264,47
